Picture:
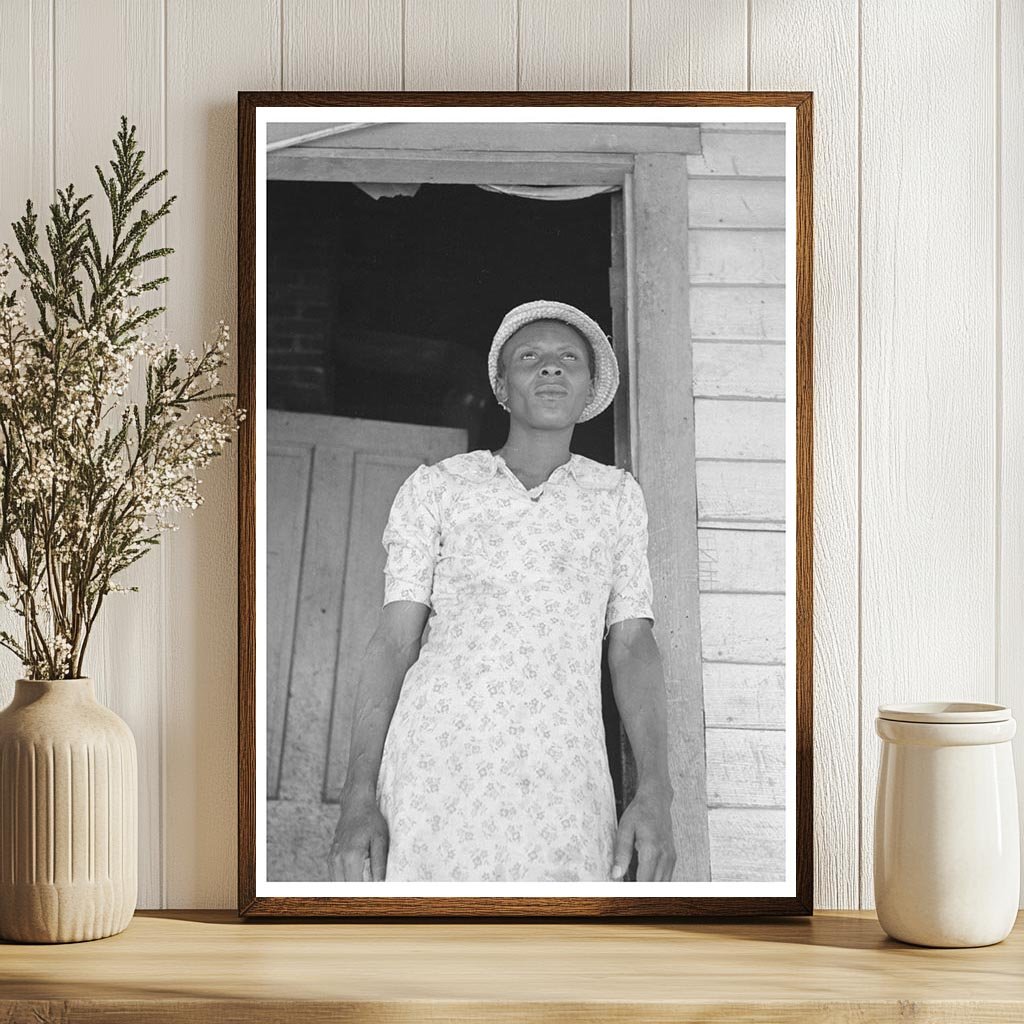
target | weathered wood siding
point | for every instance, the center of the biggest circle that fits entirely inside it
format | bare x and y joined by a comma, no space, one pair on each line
737,281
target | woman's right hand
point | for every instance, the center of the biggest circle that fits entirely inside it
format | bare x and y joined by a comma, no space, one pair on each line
361,836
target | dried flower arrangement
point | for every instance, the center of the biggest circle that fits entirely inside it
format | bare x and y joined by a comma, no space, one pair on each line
87,479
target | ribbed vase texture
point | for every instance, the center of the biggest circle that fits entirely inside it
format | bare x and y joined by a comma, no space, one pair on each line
68,815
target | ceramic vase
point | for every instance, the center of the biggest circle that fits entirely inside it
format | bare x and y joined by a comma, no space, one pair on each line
68,815
947,846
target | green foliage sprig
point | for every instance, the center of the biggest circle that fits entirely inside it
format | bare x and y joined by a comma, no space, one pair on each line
88,480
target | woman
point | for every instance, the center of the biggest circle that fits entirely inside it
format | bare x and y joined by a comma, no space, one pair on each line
481,756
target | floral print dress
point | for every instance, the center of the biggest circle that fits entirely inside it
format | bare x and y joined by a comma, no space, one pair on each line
494,766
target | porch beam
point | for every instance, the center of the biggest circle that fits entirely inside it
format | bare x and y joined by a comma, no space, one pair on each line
308,163
530,137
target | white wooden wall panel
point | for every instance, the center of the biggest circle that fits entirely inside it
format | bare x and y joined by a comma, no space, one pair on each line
574,44
465,45
128,668
26,120
813,46
1010,313
342,44
928,367
226,46
26,103
699,44
919,464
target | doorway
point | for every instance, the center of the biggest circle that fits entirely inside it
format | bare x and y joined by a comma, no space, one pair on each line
410,291
383,308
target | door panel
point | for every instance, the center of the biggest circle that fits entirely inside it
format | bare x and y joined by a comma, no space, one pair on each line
331,481
288,471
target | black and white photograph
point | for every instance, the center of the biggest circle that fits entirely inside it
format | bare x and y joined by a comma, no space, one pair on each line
525,502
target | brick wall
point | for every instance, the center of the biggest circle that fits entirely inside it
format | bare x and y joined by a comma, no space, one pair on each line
301,262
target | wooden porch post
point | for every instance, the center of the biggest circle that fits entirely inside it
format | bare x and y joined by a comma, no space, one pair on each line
657,216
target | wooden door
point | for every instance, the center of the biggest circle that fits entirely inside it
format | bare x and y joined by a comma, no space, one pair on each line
330,485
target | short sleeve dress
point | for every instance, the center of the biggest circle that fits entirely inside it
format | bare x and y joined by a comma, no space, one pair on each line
494,766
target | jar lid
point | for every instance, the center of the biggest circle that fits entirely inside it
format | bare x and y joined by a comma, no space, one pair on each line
944,712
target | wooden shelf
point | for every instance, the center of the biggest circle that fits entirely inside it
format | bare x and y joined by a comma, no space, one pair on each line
200,966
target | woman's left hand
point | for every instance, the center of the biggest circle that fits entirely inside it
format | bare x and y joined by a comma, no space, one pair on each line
647,825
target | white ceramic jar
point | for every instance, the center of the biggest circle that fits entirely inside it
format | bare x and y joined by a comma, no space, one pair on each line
947,846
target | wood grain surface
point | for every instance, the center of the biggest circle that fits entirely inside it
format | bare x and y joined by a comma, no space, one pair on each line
85,122
1010,324
227,46
928,554
208,966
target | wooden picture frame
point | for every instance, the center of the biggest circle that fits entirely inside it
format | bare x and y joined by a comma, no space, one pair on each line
655,161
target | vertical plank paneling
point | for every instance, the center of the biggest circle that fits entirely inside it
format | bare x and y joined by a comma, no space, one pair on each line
468,45
929,312
700,44
1010,681
782,58
213,51
122,656
574,44
26,109
928,537
26,101
342,44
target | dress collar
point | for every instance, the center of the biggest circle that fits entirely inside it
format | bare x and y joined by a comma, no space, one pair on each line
482,464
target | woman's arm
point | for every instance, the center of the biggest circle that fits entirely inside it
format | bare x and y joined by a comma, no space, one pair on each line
638,682
362,831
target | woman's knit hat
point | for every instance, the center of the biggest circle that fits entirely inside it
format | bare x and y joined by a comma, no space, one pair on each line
606,367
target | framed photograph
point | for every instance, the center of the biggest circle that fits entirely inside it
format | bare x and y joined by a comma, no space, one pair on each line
525,492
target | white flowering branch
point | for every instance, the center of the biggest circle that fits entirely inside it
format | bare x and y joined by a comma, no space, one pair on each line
87,480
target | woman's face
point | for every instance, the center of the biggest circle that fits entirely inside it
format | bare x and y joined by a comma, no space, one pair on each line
544,374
